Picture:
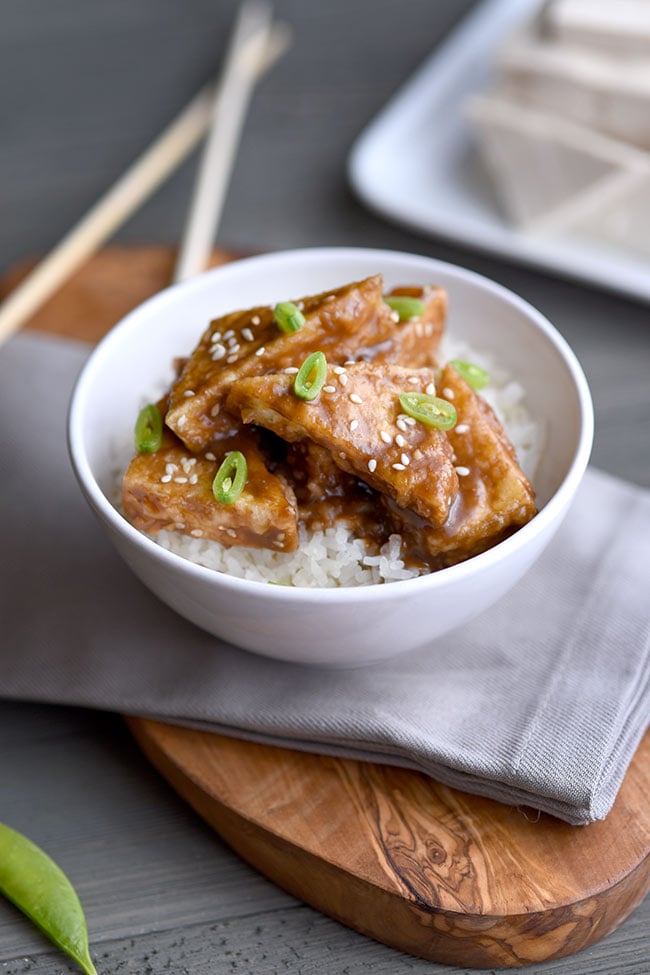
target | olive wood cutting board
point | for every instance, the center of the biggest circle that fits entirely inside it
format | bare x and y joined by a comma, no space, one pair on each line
427,869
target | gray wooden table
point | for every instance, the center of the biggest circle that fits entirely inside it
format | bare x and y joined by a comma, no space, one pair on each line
85,86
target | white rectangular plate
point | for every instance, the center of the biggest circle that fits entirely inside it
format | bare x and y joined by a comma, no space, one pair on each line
417,163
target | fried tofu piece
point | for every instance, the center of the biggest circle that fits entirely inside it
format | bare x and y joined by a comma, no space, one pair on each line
343,324
328,496
314,475
416,341
495,497
171,490
358,419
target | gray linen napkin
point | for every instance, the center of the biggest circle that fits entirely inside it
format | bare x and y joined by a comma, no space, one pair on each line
541,701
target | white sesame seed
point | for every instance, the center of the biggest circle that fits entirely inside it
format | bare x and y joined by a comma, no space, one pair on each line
339,370
247,334
229,334
342,454
170,468
354,424
349,362
179,526
386,437
461,427
165,479
448,393
180,480
194,478
410,420
215,337
281,536
232,358
234,347
210,456
398,467
196,532
329,389
405,459
218,352
462,471
300,305
372,465
400,440
413,379
355,398
255,320
260,351
231,532
215,410
182,420
430,389
189,392
395,316
291,370
399,423
343,379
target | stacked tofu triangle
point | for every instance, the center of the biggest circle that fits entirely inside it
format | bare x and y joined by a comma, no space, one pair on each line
565,131
349,455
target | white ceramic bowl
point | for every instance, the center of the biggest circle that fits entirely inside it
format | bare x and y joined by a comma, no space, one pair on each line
346,626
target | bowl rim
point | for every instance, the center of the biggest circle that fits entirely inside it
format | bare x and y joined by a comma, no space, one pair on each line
399,589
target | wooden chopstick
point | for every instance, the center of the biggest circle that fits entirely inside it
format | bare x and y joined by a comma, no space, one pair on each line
251,36
136,185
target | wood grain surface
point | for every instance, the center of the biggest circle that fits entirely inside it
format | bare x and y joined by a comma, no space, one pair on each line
434,872
431,871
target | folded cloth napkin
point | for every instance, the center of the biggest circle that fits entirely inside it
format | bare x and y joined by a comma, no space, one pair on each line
542,701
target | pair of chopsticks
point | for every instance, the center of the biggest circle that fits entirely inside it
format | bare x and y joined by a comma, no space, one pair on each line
256,44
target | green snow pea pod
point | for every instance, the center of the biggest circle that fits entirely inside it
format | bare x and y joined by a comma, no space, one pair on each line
40,889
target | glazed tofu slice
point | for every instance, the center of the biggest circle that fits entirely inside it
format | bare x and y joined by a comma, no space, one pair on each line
172,490
416,341
358,419
328,496
341,323
495,497
314,475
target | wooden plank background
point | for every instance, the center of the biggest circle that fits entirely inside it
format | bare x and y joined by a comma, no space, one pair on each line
85,86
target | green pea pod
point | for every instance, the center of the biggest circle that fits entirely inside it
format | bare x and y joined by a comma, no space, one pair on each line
40,889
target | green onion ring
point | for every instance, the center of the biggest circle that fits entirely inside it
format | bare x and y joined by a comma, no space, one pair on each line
288,317
431,410
405,307
230,479
311,376
148,430
474,375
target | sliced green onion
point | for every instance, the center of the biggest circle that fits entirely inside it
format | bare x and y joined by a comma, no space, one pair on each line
405,307
230,479
432,410
311,376
476,376
148,430
288,317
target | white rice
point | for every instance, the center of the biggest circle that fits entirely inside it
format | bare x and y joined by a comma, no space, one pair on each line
335,557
